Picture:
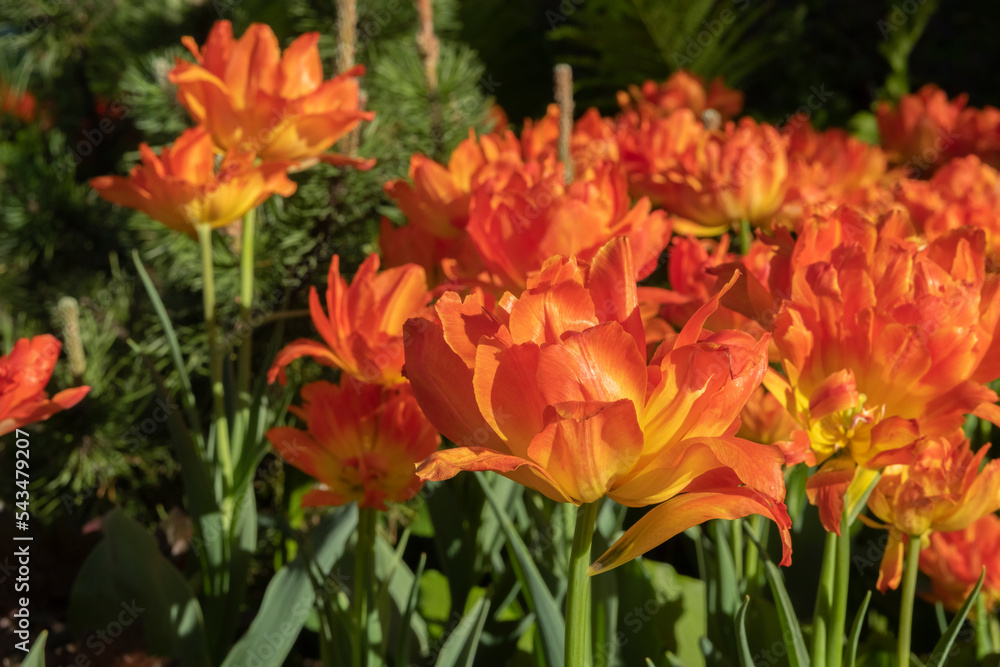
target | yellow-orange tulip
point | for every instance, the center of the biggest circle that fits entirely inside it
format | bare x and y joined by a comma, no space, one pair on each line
362,443
682,90
362,330
182,188
954,562
942,490
882,340
711,179
554,391
253,98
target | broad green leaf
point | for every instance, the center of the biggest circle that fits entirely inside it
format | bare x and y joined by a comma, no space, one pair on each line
291,595
942,650
852,638
459,649
550,621
744,655
36,656
127,575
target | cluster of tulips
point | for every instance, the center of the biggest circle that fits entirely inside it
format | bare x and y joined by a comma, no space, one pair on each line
828,303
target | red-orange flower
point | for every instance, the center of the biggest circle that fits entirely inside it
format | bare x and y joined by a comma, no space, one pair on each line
882,340
963,192
362,330
921,127
942,490
252,98
954,562
682,90
362,443
23,376
20,104
554,391
711,179
516,229
182,188
830,166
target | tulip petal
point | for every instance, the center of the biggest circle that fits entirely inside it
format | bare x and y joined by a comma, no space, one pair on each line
613,290
890,572
446,463
691,509
827,488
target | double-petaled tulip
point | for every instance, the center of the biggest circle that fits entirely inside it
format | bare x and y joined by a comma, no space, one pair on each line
362,330
711,179
883,340
682,90
592,140
955,561
253,98
920,130
362,442
182,187
830,166
554,392
23,376
515,230
942,490
963,192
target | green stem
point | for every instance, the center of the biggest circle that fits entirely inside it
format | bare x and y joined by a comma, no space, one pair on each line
218,395
364,562
906,605
246,303
578,645
838,621
746,236
994,634
824,601
982,629
736,537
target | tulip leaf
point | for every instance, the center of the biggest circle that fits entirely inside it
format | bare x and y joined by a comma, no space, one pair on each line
36,656
852,638
550,621
289,598
403,648
459,649
939,656
798,654
744,655
125,575
187,395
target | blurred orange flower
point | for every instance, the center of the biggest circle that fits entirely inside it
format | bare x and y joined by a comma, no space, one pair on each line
362,331
921,128
514,230
942,490
882,340
765,420
830,166
20,104
954,562
963,192
23,376
182,187
554,392
711,179
252,98
682,90
362,443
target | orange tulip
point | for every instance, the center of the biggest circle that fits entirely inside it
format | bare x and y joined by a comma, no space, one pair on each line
182,187
23,376
954,562
882,340
711,179
592,141
20,104
362,443
515,230
554,392
252,98
963,192
943,490
682,90
830,166
921,129
765,420
362,334
978,133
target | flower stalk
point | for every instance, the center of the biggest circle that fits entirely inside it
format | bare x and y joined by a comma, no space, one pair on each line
578,644
364,570
906,605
